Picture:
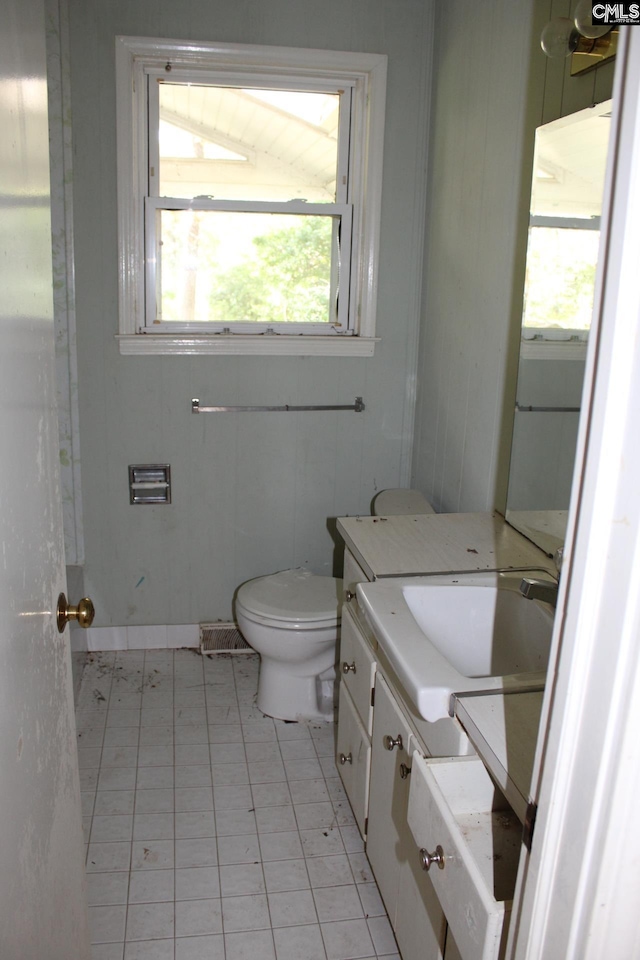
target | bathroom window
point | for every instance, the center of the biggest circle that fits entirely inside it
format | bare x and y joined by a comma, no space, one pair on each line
248,196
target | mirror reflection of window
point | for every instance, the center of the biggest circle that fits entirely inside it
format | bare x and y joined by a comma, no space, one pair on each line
564,225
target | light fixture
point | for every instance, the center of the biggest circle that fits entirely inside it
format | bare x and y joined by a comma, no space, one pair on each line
586,44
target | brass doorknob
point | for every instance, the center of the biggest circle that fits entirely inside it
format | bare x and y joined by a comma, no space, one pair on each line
83,613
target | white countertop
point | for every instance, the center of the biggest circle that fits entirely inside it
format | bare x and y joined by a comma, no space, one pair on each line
437,543
503,728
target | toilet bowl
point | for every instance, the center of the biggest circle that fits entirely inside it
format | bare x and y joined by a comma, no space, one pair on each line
292,619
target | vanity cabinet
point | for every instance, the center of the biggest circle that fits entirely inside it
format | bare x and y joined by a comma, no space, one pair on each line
414,911
429,791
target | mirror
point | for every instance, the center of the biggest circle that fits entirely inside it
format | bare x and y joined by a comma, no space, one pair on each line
564,231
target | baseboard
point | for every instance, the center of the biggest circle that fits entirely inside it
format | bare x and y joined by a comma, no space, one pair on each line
157,636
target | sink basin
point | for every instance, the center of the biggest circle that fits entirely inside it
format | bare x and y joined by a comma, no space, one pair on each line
445,635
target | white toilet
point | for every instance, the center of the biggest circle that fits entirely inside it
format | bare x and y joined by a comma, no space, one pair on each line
292,619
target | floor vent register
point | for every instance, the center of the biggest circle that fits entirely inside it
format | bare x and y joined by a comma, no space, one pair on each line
222,638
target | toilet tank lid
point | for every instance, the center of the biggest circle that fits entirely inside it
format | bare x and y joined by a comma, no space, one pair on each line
400,501
293,595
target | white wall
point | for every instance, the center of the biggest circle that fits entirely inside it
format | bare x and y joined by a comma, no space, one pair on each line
251,493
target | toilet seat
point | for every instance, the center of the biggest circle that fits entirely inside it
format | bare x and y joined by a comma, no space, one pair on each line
292,598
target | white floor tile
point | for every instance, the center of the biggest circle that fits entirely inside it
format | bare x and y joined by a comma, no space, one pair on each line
106,923
292,943
149,950
241,849
104,829
197,883
241,879
322,843
191,753
316,816
270,794
154,801
266,771
153,826
155,756
193,775
227,753
198,918
193,825
250,945
382,935
104,857
200,948
107,951
231,823
196,853
302,769
107,888
227,773
280,846
245,913
150,921
275,819
294,908
152,854
193,799
154,778
151,886
191,733
347,940
371,900
329,871
338,903
297,749
285,875
309,791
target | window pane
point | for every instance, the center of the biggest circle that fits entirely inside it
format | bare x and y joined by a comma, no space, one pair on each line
561,270
224,267
235,144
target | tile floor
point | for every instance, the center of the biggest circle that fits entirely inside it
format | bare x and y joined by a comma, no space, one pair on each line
215,833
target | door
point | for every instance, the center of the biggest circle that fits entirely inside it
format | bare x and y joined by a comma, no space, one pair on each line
42,900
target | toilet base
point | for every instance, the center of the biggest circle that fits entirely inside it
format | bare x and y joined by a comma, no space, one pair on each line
285,696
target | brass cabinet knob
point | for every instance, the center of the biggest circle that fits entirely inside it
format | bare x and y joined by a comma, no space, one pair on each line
346,758
428,859
84,612
390,743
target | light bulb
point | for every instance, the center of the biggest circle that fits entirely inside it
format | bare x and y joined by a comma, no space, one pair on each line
559,38
582,21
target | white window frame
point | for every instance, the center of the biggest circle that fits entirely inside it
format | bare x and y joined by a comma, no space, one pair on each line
364,74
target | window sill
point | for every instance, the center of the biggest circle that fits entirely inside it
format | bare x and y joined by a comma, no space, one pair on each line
273,346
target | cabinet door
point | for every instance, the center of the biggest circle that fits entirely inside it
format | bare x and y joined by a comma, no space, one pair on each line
357,667
420,920
389,794
411,903
353,757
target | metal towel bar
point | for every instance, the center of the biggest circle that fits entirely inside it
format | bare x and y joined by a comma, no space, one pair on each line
526,408
358,406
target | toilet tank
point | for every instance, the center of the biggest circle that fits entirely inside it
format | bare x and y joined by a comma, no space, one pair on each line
399,501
